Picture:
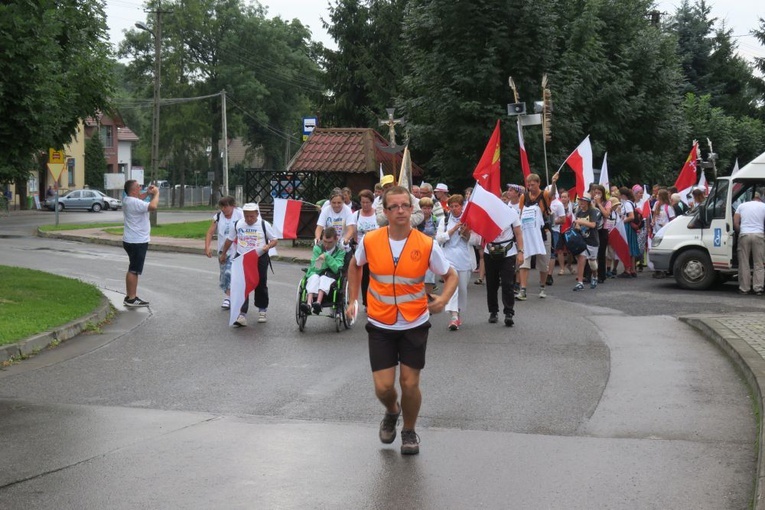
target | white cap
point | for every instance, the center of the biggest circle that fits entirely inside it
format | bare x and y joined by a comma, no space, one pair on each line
441,187
250,206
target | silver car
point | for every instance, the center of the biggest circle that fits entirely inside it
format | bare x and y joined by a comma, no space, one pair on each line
110,204
78,199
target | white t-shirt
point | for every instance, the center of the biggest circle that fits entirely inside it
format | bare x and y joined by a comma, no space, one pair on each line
224,226
456,249
437,263
328,218
508,234
364,224
531,225
752,217
251,237
558,211
137,225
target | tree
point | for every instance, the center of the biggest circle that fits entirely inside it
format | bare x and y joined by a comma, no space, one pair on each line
55,71
454,89
363,74
265,65
95,162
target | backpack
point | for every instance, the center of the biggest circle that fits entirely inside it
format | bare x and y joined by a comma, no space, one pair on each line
637,220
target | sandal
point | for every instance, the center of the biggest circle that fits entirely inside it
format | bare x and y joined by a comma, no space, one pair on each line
479,281
561,272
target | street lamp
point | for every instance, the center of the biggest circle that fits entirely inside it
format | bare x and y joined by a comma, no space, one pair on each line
157,34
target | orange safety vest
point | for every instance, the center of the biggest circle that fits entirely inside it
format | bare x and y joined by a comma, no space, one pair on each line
397,287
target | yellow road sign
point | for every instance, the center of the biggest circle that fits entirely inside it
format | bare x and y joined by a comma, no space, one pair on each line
56,157
55,170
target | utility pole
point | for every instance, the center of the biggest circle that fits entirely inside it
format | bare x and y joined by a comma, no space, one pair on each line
225,142
157,33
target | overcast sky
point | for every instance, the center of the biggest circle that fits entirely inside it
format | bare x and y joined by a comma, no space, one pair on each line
741,15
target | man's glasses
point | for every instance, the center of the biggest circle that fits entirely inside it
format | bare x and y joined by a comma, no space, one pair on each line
395,207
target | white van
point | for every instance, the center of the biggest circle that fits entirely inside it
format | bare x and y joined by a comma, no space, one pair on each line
700,248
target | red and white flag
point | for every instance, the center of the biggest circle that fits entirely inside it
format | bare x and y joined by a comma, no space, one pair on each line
703,184
580,162
522,149
617,239
286,217
486,214
687,178
487,170
244,279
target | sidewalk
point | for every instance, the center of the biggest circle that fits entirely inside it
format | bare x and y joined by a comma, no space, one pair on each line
740,336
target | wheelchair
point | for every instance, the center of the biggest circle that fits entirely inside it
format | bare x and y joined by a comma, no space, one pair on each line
333,304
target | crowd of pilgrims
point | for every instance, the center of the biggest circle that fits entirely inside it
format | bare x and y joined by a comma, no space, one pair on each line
437,212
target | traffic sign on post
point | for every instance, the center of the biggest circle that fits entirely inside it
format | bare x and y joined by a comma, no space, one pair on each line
56,163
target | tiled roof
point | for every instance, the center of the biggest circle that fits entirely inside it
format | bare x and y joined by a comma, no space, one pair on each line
125,134
346,150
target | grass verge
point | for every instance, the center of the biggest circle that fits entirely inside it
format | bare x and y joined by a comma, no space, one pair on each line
32,302
188,230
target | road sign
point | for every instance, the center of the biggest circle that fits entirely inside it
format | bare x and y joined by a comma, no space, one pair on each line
309,124
56,163
55,170
56,157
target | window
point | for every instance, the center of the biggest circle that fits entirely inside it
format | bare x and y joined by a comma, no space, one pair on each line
70,170
717,200
107,138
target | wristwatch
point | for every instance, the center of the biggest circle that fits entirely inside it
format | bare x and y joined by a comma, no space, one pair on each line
520,250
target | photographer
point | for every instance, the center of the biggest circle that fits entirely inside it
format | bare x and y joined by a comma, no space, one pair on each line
136,236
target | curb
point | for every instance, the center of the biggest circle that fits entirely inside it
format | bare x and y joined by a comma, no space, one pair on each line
118,242
59,334
169,248
752,367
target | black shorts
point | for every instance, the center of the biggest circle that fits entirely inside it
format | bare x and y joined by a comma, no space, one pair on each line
388,347
136,255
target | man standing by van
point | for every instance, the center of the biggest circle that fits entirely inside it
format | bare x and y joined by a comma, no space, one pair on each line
749,223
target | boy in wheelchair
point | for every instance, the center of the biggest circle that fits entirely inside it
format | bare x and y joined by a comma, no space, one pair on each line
327,262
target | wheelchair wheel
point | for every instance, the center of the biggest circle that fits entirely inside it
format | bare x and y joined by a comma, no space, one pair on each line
346,321
300,315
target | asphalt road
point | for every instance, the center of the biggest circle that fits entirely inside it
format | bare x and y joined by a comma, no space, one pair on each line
595,399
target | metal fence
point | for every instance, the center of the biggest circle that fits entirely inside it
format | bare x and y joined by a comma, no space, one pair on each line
263,186
171,197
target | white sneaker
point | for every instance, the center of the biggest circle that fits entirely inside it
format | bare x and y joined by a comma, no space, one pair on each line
262,317
542,293
240,321
226,304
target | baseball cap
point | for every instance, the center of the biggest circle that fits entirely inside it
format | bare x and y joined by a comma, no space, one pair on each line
586,197
441,187
250,206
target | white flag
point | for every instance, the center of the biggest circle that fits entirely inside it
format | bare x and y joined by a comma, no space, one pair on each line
603,181
735,169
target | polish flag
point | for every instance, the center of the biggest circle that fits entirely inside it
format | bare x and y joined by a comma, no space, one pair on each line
522,149
486,214
487,170
617,239
580,162
703,184
687,178
286,217
244,279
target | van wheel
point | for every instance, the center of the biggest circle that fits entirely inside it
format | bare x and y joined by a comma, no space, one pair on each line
693,270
